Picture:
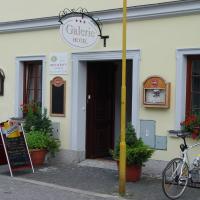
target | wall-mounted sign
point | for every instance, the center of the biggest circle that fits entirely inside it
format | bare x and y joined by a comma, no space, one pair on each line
2,78
58,63
79,29
156,92
79,32
57,93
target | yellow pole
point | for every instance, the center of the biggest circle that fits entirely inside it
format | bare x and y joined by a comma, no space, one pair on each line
122,160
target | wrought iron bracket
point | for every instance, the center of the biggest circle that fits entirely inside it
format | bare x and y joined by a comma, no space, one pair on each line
83,12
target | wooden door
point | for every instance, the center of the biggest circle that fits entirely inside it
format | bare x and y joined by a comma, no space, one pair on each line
100,109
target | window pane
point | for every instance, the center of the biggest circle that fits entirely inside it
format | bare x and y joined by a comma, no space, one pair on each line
33,82
39,96
31,95
195,101
196,83
39,83
195,93
196,67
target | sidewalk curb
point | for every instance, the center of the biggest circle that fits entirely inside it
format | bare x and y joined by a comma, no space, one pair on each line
89,193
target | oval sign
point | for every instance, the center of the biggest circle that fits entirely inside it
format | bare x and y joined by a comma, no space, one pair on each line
58,81
79,32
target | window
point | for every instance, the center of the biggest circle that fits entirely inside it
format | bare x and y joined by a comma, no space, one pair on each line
193,84
32,88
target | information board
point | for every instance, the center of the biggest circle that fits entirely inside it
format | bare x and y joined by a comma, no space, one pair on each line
15,147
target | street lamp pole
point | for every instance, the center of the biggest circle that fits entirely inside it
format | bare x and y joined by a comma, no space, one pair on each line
122,160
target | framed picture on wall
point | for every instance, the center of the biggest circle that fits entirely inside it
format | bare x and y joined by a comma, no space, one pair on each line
57,95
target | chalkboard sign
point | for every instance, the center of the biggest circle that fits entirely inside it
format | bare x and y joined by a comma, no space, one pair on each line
15,147
57,97
3,159
2,78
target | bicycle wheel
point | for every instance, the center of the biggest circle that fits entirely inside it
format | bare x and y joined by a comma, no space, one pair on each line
175,178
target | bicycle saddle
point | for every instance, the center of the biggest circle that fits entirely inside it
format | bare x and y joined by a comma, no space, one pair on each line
180,133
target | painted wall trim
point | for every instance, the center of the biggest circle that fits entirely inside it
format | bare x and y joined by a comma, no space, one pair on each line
78,100
19,82
181,70
167,9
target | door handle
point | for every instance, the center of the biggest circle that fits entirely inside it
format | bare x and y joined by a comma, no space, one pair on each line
89,97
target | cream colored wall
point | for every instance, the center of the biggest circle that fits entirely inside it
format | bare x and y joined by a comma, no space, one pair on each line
34,43
23,9
157,39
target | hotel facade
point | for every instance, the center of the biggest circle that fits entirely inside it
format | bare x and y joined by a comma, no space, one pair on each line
81,85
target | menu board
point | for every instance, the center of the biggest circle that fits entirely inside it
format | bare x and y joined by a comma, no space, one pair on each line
3,159
15,147
57,97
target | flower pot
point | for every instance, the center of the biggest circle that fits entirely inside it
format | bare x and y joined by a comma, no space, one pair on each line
133,172
38,156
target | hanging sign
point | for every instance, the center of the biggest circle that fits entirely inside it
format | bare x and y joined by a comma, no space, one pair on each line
58,63
14,147
79,29
79,32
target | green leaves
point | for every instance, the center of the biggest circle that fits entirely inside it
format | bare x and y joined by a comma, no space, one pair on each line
136,151
42,140
37,140
36,120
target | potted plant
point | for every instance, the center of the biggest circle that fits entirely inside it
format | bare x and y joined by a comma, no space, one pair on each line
136,154
39,143
192,124
40,140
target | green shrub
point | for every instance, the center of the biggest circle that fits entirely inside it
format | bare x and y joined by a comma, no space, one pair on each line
37,140
42,140
38,129
36,120
136,151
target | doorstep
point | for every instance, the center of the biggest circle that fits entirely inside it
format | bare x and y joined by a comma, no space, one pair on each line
99,163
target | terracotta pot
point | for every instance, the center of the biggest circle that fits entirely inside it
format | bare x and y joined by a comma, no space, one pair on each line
38,156
133,172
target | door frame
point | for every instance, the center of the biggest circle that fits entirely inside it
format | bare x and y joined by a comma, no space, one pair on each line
78,91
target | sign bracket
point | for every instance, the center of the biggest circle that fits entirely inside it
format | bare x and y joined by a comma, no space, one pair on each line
83,12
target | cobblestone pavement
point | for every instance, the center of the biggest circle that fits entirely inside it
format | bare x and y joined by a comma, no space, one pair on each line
88,182
19,189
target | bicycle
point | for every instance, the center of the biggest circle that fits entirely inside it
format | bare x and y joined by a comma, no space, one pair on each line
179,171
